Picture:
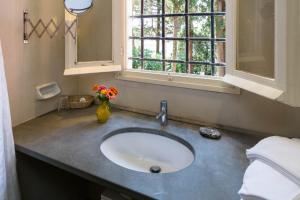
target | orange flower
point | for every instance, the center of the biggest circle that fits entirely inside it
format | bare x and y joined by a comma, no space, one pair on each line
110,94
114,90
96,87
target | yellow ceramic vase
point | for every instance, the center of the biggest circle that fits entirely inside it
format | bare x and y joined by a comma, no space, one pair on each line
103,112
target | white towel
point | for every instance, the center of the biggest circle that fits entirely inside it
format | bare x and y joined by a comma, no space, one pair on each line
262,182
280,153
8,177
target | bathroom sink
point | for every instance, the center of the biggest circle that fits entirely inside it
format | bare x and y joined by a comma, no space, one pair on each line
147,150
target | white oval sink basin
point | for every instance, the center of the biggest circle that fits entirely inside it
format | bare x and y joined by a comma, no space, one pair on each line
142,149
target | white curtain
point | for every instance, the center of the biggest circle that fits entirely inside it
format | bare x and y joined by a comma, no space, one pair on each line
8,175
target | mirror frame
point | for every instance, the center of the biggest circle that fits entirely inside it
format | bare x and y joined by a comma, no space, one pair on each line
83,9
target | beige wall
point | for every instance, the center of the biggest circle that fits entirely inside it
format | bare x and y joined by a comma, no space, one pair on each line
32,64
246,111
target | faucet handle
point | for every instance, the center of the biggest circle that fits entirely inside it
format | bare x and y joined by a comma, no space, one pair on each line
163,109
159,115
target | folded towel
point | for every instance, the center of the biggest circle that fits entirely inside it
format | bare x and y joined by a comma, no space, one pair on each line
262,182
280,153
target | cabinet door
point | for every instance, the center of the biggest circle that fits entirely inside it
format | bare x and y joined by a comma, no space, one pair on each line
256,46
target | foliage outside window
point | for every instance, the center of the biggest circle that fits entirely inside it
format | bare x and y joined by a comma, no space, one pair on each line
182,36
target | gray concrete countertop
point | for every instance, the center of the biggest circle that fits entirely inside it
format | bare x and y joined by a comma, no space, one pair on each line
71,140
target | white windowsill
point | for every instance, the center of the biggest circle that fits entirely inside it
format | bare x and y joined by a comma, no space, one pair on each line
91,70
212,84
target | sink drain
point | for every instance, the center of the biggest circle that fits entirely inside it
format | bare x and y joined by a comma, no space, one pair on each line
155,169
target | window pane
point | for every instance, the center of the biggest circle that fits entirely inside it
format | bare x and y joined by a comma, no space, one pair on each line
201,51
153,49
220,23
136,48
152,7
176,67
175,50
153,65
136,7
175,26
136,64
199,47
152,27
199,6
219,6
174,6
202,70
220,52
136,27
169,67
181,68
200,26
198,69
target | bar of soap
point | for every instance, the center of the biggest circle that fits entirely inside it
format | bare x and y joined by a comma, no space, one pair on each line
210,133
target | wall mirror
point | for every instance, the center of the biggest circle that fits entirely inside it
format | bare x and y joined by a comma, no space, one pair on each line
76,7
93,45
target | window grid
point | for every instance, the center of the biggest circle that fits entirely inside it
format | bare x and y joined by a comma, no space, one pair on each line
212,14
187,42
163,35
142,33
212,35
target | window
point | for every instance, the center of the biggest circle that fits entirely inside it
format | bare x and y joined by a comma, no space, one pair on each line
177,36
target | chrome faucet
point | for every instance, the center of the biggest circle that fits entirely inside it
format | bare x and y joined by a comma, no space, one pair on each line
163,115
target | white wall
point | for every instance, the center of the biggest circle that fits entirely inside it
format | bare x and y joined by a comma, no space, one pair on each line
32,64
246,111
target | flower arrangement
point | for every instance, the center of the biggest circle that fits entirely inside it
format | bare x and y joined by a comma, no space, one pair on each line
104,94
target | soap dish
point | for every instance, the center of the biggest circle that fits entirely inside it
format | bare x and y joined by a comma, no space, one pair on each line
47,91
80,101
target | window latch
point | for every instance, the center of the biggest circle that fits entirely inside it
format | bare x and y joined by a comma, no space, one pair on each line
170,78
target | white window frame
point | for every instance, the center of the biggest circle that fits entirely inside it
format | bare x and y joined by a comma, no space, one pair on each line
267,87
206,83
